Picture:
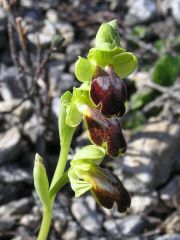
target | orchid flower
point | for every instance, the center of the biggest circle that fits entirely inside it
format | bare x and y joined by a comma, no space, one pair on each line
85,174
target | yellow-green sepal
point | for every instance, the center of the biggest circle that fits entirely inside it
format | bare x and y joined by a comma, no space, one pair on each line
74,117
84,69
103,57
124,64
41,182
91,154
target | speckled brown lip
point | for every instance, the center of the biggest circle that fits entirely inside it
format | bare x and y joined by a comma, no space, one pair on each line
104,130
108,189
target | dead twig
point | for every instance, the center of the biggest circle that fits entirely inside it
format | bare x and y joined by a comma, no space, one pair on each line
23,42
172,92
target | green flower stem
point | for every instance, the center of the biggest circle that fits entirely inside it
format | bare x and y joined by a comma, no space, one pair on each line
61,164
45,225
47,213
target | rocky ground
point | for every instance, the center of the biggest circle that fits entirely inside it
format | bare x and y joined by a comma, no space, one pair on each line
37,57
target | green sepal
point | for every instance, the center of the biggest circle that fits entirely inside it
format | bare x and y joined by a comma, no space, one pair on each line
103,57
85,86
107,37
78,185
41,182
66,98
124,64
84,70
65,131
91,154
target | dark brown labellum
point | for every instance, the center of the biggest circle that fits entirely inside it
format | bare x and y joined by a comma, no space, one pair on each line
103,130
108,189
109,93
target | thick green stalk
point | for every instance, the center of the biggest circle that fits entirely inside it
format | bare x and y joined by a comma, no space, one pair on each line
47,213
61,164
45,225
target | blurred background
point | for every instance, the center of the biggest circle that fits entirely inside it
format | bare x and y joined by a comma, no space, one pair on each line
39,44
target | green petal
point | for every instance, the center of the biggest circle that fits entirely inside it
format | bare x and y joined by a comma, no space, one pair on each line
84,70
124,64
73,117
66,98
85,86
78,186
103,57
80,96
90,154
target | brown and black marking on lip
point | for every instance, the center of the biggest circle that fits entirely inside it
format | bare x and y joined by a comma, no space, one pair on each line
108,189
108,92
103,130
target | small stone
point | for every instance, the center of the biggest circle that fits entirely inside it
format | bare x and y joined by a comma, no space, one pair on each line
67,31
18,207
24,238
111,227
132,184
72,231
30,221
34,128
24,231
169,237
74,50
32,15
7,225
52,15
167,6
11,87
171,223
144,202
151,153
67,81
84,210
10,145
140,11
128,226
13,174
55,106
61,213
170,194
139,78
60,81
44,39
8,105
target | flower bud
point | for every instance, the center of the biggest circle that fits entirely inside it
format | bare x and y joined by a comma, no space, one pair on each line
41,181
